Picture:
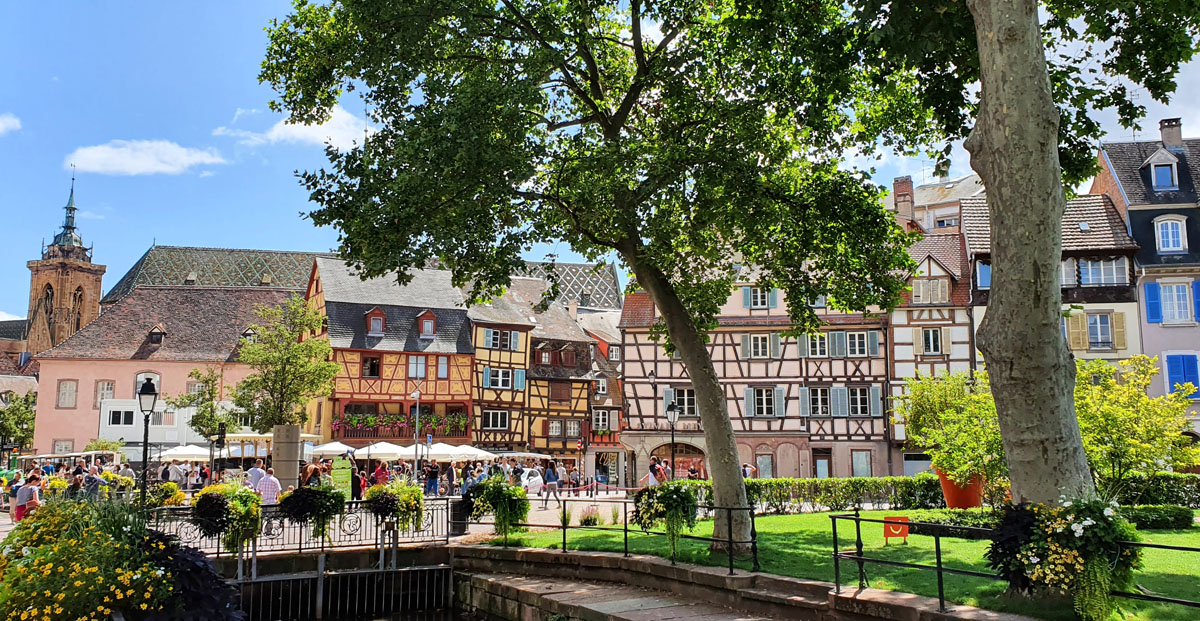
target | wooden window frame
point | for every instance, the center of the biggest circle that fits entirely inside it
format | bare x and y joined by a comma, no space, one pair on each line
484,423
365,365
96,392
556,388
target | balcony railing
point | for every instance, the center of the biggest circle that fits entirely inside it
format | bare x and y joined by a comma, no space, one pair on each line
390,433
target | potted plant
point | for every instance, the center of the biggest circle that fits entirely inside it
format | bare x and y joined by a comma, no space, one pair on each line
317,505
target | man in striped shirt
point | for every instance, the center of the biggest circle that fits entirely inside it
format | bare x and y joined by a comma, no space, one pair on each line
269,488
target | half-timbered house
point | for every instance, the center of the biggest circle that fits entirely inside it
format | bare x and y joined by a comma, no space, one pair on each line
604,454
932,331
801,407
397,345
500,333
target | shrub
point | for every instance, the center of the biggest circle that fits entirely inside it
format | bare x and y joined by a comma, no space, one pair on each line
564,515
947,519
590,516
616,514
200,592
672,503
242,515
316,505
210,514
404,501
1162,488
786,495
506,502
1147,517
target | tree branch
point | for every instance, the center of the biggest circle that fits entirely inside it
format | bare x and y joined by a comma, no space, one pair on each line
639,52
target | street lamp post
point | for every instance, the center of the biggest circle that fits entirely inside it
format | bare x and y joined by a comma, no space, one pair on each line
672,418
653,377
147,398
416,394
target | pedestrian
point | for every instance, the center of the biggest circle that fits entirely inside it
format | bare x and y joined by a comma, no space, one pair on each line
268,487
312,476
651,476
175,474
693,474
381,473
14,486
451,478
430,471
551,478
79,469
91,482
748,471
575,480
356,481
126,471
28,498
256,473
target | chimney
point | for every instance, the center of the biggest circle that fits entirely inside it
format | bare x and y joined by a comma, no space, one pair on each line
1172,132
573,308
902,196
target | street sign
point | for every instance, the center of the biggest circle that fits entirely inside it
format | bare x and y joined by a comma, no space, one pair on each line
341,474
429,439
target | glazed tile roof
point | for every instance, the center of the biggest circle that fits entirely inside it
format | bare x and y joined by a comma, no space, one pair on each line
12,329
946,249
1127,159
1105,227
594,285
173,266
203,324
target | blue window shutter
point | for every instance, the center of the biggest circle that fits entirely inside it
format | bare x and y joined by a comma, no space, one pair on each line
514,340
1196,301
668,397
487,377
802,345
773,298
841,402
780,403
745,346
837,344
749,402
519,379
1174,372
985,275
1191,370
487,337
802,397
776,345
1153,302
873,342
876,401
745,297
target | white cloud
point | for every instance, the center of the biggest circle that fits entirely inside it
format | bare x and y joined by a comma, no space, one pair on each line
9,123
241,112
342,130
8,316
140,157
207,173
90,215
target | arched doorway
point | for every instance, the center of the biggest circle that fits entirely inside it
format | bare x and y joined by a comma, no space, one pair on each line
686,456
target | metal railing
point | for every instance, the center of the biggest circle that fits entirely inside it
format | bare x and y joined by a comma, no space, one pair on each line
357,594
730,544
940,531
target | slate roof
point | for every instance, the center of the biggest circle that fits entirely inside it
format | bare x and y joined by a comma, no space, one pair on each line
203,324
171,266
943,191
427,289
947,249
1106,229
1126,159
598,281
12,329
1142,223
502,310
8,366
553,323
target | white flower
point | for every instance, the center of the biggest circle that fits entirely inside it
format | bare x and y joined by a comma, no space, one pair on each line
1033,560
1067,503
1108,512
1078,528
1089,522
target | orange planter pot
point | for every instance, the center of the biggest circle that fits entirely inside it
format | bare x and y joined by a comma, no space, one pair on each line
967,496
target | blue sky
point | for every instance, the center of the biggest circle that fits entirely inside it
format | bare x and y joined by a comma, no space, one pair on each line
159,106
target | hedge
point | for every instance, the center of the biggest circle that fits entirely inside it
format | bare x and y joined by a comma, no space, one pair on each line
949,518
1164,488
1167,517
783,495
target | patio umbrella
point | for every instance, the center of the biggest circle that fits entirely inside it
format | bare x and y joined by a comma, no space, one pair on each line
331,449
470,452
383,450
187,452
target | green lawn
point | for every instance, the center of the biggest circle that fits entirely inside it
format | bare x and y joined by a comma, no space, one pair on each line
801,546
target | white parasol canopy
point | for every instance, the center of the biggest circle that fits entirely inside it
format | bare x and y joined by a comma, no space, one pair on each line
332,449
471,452
187,452
383,450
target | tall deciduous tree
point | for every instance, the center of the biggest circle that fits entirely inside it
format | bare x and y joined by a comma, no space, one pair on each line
17,418
1033,128
1125,430
209,409
289,369
684,137
101,444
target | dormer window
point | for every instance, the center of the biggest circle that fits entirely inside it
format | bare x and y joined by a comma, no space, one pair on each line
1170,234
426,327
376,322
156,334
1164,170
250,335
1164,177
427,324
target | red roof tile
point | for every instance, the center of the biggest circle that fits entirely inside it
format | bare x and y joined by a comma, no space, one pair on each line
638,311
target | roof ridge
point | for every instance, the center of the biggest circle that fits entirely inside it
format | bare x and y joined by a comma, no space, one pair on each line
317,252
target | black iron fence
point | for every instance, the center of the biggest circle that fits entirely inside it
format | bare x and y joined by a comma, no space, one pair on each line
360,594
943,531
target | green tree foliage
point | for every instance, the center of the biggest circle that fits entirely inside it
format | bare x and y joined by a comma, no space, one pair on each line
17,418
954,418
210,412
100,444
289,368
1125,430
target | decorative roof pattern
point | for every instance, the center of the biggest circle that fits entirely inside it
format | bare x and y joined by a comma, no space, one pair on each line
1127,161
12,330
177,266
203,324
1103,228
593,285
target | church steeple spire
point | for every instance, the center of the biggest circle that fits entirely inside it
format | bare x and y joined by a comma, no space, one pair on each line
68,238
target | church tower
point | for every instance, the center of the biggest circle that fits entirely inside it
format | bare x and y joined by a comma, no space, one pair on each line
64,287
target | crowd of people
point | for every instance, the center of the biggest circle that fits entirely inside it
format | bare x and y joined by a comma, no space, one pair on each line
25,489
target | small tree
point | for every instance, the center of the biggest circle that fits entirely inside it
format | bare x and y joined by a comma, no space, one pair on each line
1125,430
100,444
953,417
17,418
288,368
210,412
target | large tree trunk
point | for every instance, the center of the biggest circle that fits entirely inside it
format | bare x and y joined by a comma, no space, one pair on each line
728,488
1014,148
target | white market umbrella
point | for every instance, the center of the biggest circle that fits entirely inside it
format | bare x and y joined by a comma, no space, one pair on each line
383,450
187,452
441,451
471,452
332,449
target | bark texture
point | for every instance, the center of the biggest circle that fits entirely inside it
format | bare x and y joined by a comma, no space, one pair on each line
1014,148
723,465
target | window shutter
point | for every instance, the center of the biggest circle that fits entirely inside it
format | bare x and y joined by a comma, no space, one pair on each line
841,402
519,379
773,298
802,345
745,297
776,345
873,342
876,401
837,344
668,397
1153,302
546,427
1174,372
1077,337
1191,370
514,340
487,337
919,341
487,377
1118,330
1196,301
780,403
946,341
749,402
802,397
746,346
